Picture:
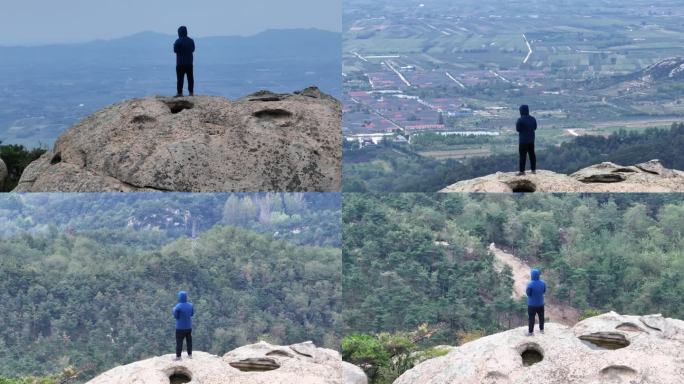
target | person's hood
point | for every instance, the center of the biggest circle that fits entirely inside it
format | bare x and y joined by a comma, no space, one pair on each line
182,297
524,110
183,31
535,274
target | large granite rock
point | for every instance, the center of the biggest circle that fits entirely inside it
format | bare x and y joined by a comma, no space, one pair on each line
263,142
610,348
259,363
601,178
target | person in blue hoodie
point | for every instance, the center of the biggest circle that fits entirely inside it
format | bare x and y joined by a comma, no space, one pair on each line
183,313
535,302
526,126
184,47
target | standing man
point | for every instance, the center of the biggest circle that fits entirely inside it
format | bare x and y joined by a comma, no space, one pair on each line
535,302
183,312
526,126
184,48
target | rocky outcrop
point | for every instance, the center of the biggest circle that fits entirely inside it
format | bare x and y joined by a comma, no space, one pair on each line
263,142
605,177
351,374
260,363
610,348
3,172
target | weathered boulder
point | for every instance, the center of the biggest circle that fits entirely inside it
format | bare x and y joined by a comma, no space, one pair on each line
601,178
259,363
262,142
351,374
610,348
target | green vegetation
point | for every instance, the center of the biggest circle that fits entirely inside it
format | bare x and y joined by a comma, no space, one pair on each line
16,158
384,357
415,259
93,294
405,171
67,376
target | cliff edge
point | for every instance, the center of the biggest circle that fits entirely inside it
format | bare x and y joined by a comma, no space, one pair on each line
609,348
262,142
606,177
260,363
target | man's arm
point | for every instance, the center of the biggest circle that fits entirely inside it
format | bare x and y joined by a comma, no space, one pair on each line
175,47
528,291
534,126
518,125
175,312
192,310
192,44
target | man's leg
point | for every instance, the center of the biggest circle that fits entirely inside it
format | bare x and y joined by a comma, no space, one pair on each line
189,341
179,79
533,158
191,79
540,311
179,343
530,318
523,155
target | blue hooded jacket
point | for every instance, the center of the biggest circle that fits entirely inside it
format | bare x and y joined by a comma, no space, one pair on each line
535,290
184,47
183,312
526,126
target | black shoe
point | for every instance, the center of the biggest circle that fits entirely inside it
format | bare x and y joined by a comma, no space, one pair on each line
179,95
520,174
534,172
192,94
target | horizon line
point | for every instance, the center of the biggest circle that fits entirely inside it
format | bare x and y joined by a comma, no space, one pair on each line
149,31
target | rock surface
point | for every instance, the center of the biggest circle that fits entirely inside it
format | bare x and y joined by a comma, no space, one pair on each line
3,172
650,349
262,142
601,178
351,374
259,363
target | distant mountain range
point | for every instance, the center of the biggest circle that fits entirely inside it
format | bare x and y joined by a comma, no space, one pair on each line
46,89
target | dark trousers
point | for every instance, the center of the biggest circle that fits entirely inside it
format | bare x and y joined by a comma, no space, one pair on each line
180,335
531,313
524,150
181,72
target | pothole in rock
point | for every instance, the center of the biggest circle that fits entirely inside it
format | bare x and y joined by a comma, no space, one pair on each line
629,327
604,178
605,340
618,374
178,105
258,364
531,353
279,352
180,375
272,113
141,119
522,185
624,170
56,159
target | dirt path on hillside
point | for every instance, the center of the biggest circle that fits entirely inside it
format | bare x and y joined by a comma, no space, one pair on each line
521,276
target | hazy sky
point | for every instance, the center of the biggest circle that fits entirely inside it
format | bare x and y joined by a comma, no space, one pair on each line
54,21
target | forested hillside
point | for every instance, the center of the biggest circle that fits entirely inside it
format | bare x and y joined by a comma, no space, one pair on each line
401,170
302,218
418,272
410,259
94,287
